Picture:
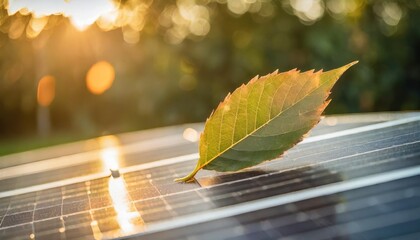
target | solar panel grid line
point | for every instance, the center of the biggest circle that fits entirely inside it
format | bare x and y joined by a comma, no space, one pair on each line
278,183
301,152
52,184
255,194
49,218
75,171
367,156
289,170
371,156
413,158
308,160
283,199
323,162
20,232
409,236
322,230
393,194
364,137
323,128
355,209
132,169
356,215
361,141
78,158
318,224
363,225
174,203
2,219
96,176
49,229
123,135
362,129
295,158
205,199
353,204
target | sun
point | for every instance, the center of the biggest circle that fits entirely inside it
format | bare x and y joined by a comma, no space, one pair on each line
81,13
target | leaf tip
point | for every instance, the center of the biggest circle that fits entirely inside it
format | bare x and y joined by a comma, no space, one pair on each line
351,64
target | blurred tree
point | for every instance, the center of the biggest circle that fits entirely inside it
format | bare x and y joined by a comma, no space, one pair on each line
175,60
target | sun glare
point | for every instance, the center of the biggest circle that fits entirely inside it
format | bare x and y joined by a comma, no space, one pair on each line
100,77
80,12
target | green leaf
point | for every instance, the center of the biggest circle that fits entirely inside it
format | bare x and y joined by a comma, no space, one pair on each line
264,118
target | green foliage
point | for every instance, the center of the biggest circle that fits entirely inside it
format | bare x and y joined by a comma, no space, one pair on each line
264,118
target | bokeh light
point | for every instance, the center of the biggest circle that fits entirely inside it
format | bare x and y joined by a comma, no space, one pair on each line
190,134
100,77
46,91
308,11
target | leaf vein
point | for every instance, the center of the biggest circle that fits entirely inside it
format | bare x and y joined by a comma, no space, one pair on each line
220,129
258,104
236,115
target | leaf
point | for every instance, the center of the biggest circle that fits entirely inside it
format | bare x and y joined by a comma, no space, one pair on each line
264,118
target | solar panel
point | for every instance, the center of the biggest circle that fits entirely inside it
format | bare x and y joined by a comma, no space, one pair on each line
354,177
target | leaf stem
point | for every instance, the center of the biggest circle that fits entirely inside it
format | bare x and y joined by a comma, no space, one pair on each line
189,177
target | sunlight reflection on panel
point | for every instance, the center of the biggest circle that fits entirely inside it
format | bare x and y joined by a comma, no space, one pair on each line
126,216
110,153
95,229
100,77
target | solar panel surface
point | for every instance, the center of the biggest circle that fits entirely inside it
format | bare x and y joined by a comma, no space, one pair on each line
354,177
